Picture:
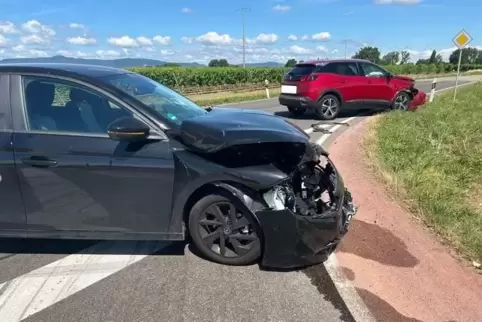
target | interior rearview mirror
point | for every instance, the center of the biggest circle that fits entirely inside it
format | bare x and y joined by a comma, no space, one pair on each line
128,129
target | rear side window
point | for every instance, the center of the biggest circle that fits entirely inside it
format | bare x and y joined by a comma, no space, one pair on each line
302,70
341,68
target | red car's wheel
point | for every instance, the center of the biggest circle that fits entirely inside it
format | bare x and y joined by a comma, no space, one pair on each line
328,107
401,101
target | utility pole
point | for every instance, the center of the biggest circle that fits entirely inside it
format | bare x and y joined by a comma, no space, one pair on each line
243,11
345,42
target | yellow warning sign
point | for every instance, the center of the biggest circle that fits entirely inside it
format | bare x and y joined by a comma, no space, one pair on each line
462,39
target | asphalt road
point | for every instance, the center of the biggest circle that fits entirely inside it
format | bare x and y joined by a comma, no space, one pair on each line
135,281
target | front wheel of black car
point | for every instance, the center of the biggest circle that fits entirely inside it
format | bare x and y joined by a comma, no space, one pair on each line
223,233
328,107
296,111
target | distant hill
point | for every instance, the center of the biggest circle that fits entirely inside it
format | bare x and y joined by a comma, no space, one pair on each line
117,63
267,64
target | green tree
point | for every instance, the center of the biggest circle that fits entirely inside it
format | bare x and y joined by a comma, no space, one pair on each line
218,63
479,58
435,58
405,57
291,62
469,56
392,58
369,53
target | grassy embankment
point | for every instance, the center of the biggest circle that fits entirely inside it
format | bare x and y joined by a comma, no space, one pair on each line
432,160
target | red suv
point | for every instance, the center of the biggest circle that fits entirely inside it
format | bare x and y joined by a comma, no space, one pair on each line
328,86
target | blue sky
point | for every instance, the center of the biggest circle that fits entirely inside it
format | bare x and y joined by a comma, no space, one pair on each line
199,30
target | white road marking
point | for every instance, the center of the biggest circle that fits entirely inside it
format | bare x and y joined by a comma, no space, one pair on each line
324,137
347,291
446,88
43,287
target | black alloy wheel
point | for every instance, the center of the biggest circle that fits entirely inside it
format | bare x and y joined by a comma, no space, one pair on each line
223,233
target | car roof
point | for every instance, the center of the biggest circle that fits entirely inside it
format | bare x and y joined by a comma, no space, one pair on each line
62,69
326,61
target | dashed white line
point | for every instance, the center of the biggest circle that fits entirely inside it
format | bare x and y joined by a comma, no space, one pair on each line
43,287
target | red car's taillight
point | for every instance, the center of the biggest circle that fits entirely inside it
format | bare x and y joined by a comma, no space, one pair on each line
309,78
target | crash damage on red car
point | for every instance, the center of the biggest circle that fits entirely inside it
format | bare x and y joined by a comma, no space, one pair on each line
271,170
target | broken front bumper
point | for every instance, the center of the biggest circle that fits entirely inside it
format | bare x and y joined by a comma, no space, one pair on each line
418,99
292,240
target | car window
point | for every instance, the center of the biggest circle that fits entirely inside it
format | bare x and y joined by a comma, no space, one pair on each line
62,106
302,70
371,70
341,68
170,106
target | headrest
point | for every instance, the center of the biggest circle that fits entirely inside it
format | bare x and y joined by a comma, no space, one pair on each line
41,93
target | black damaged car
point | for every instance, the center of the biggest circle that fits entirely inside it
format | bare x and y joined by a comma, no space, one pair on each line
100,153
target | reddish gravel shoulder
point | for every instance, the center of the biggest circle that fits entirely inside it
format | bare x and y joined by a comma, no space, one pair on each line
398,268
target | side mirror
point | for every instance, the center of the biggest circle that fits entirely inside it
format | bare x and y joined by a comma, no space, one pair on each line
128,129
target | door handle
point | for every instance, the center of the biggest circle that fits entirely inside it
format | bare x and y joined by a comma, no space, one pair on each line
39,162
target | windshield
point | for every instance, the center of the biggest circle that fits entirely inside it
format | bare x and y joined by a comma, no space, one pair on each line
171,106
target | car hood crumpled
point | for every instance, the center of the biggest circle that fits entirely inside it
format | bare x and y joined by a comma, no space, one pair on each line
224,127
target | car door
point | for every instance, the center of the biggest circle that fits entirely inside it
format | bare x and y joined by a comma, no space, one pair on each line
377,89
73,177
12,213
348,82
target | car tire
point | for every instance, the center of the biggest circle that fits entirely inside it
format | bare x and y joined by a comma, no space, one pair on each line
296,111
328,107
401,102
210,222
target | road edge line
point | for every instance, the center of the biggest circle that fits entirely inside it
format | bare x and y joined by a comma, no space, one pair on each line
353,301
343,285
460,85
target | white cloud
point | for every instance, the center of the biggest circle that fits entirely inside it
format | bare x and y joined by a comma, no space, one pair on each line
187,40
81,41
292,37
38,53
281,8
8,28
166,52
26,52
295,49
124,41
321,49
76,26
305,37
34,39
162,40
144,41
35,27
75,54
186,10
19,48
213,38
264,39
322,36
3,40
107,53
397,1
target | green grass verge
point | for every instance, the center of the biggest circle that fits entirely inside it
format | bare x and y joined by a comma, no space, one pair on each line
433,159
224,98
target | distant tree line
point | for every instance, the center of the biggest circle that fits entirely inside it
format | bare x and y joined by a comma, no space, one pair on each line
469,56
